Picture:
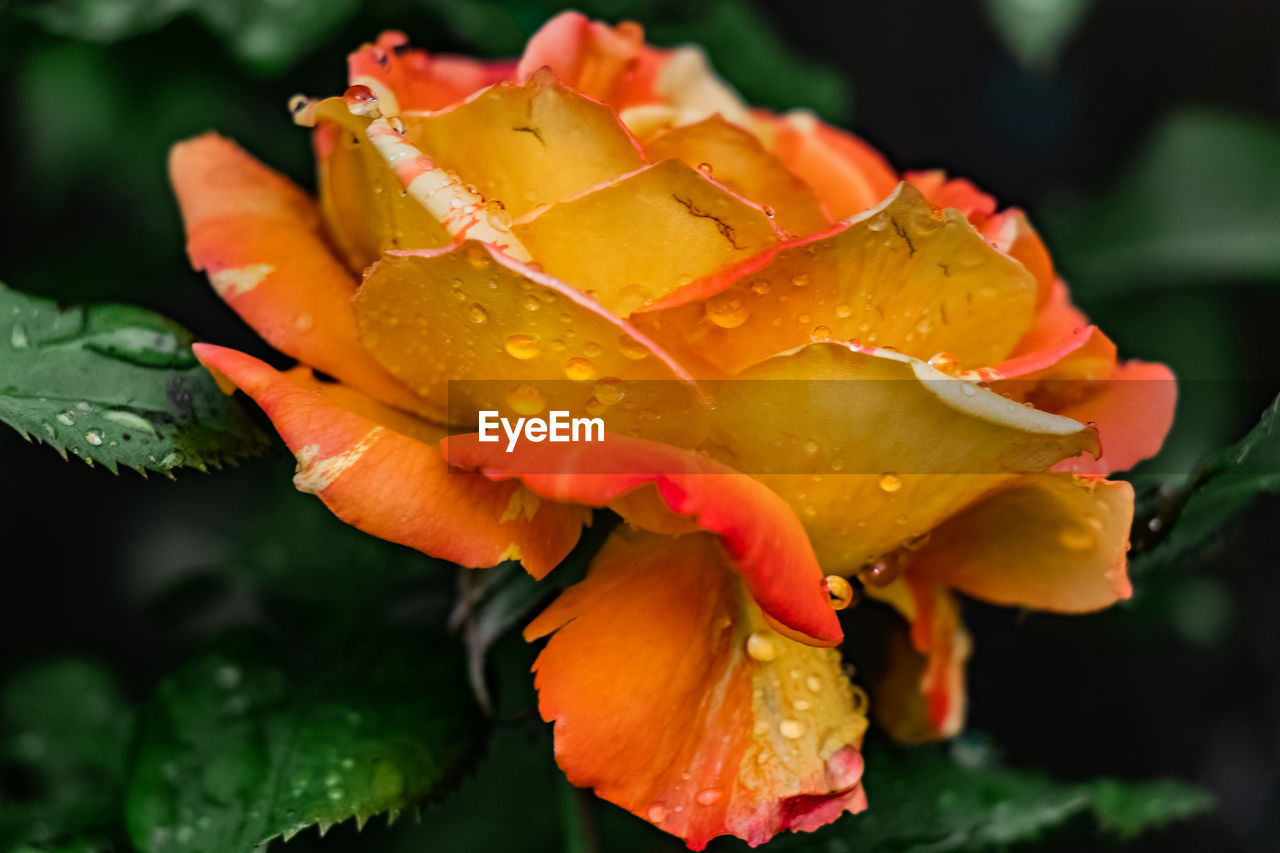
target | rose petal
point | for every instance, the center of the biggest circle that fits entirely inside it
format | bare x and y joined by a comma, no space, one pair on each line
254,232
1049,541
408,78
378,475
634,240
900,276
738,160
471,329
660,709
873,448
848,175
761,535
921,696
527,145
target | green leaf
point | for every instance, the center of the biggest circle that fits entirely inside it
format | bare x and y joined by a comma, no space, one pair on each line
65,730
115,385
1200,204
267,35
1035,31
1192,516
237,749
960,797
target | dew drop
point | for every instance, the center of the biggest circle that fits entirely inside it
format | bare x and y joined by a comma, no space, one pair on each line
769,211
945,362
579,369
822,333
93,437
526,400
840,593
890,482
915,543
361,101
800,279
18,336
609,392
811,447
706,169
657,813
709,796
67,418
497,215
801,705
477,314
791,729
531,303
760,287
523,347
844,311
726,310
813,683
882,572
760,646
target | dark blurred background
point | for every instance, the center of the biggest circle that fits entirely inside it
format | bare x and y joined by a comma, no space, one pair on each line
1142,138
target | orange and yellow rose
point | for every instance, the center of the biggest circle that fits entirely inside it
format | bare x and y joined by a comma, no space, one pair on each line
812,370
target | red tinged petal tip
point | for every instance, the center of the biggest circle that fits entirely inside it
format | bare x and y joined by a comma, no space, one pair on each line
761,534
376,472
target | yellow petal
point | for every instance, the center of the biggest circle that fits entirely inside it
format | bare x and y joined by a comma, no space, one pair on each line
472,329
874,448
363,202
735,158
1050,541
902,275
527,145
639,238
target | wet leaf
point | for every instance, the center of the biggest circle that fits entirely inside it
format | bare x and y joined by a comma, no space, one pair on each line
115,385
237,748
1175,522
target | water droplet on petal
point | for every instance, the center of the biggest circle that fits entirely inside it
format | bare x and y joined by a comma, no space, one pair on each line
523,347
945,362
706,169
631,348
843,311
760,646
800,279
882,572
840,593
726,310
890,482
708,796
579,369
791,729
67,418
1076,536
93,437
477,314
609,391
813,683
361,101
526,400
657,813
822,333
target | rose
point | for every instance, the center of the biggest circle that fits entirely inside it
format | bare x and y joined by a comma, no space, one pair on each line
604,227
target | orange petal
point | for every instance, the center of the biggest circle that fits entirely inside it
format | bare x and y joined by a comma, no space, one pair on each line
365,206
637,239
1011,233
1049,541
1133,412
527,145
873,448
958,193
660,708
737,159
901,276
1130,404
255,234
921,696
408,78
1056,320
592,57
762,536
848,175
376,473
470,328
